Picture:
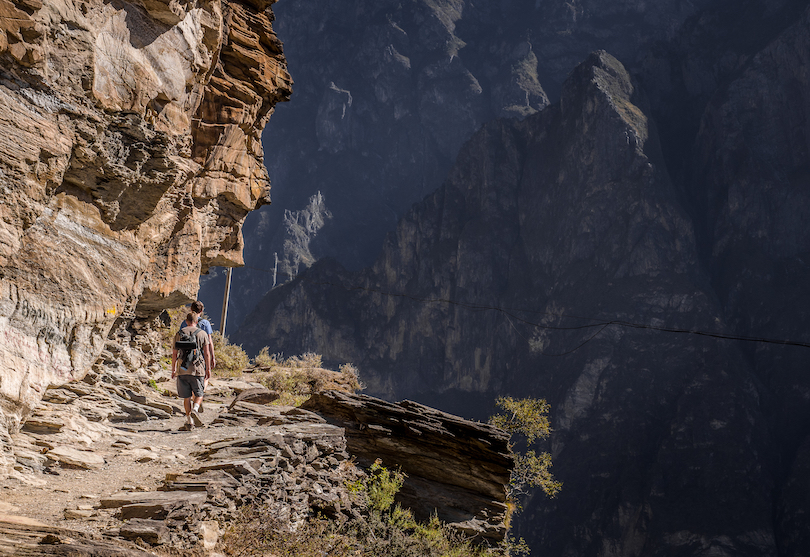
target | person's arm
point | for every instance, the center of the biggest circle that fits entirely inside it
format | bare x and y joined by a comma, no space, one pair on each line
206,326
174,361
207,355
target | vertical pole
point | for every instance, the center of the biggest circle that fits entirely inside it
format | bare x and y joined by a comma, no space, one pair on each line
225,302
275,270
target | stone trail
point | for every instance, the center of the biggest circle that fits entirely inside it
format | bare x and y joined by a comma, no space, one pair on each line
106,454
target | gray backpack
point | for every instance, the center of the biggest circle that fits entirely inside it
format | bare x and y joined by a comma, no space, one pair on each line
189,352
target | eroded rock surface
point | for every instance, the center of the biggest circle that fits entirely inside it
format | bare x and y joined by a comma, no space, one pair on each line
107,456
130,155
456,468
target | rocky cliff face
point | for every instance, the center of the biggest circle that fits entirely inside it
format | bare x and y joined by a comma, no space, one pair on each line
388,91
455,468
130,155
592,231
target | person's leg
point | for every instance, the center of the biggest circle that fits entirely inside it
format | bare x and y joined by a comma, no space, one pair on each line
196,384
196,402
184,391
205,386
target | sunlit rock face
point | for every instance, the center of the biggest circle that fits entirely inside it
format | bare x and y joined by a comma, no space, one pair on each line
130,155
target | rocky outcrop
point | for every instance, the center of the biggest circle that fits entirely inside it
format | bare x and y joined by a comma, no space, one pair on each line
455,468
29,537
547,265
130,156
115,431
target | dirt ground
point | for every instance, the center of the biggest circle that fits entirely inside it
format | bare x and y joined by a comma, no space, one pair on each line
137,458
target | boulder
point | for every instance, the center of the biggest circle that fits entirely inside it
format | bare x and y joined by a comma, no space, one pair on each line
75,457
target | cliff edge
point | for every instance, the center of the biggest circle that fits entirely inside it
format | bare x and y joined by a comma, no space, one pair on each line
130,155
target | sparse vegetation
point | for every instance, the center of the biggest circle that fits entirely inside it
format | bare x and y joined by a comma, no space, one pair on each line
294,378
265,360
232,361
352,377
386,529
527,418
152,383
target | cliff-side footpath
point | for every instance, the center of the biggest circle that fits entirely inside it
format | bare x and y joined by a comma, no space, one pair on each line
130,155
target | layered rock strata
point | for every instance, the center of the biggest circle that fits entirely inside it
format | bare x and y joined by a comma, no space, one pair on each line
464,466
130,155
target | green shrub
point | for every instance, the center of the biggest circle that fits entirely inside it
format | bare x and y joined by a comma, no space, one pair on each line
527,417
382,485
231,359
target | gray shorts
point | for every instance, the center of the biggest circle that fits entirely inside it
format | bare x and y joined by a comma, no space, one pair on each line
187,384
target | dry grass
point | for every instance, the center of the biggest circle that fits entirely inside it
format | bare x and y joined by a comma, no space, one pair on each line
294,378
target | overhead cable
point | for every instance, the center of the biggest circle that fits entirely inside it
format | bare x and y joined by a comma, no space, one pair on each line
595,322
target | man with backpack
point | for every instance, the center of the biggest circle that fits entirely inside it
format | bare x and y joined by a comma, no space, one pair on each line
191,364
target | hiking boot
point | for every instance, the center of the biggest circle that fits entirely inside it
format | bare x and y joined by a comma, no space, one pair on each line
196,418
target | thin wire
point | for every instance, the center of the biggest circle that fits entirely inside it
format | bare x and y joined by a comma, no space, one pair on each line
601,323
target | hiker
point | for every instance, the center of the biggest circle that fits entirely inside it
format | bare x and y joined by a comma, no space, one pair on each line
198,308
193,368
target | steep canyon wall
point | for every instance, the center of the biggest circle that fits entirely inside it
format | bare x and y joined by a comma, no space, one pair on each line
387,92
674,198
130,155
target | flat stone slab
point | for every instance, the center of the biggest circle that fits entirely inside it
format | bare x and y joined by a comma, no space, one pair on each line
24,536
151,531
259,395
166,498
74,457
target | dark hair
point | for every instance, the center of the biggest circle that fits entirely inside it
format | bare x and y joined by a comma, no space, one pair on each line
192,317
197,307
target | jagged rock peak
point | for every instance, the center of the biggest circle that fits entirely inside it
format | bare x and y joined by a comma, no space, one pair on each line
130,154
601,77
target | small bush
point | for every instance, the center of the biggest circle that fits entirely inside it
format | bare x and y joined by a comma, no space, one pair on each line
382,485
287,381
231,359
352,376
266,360
305,361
